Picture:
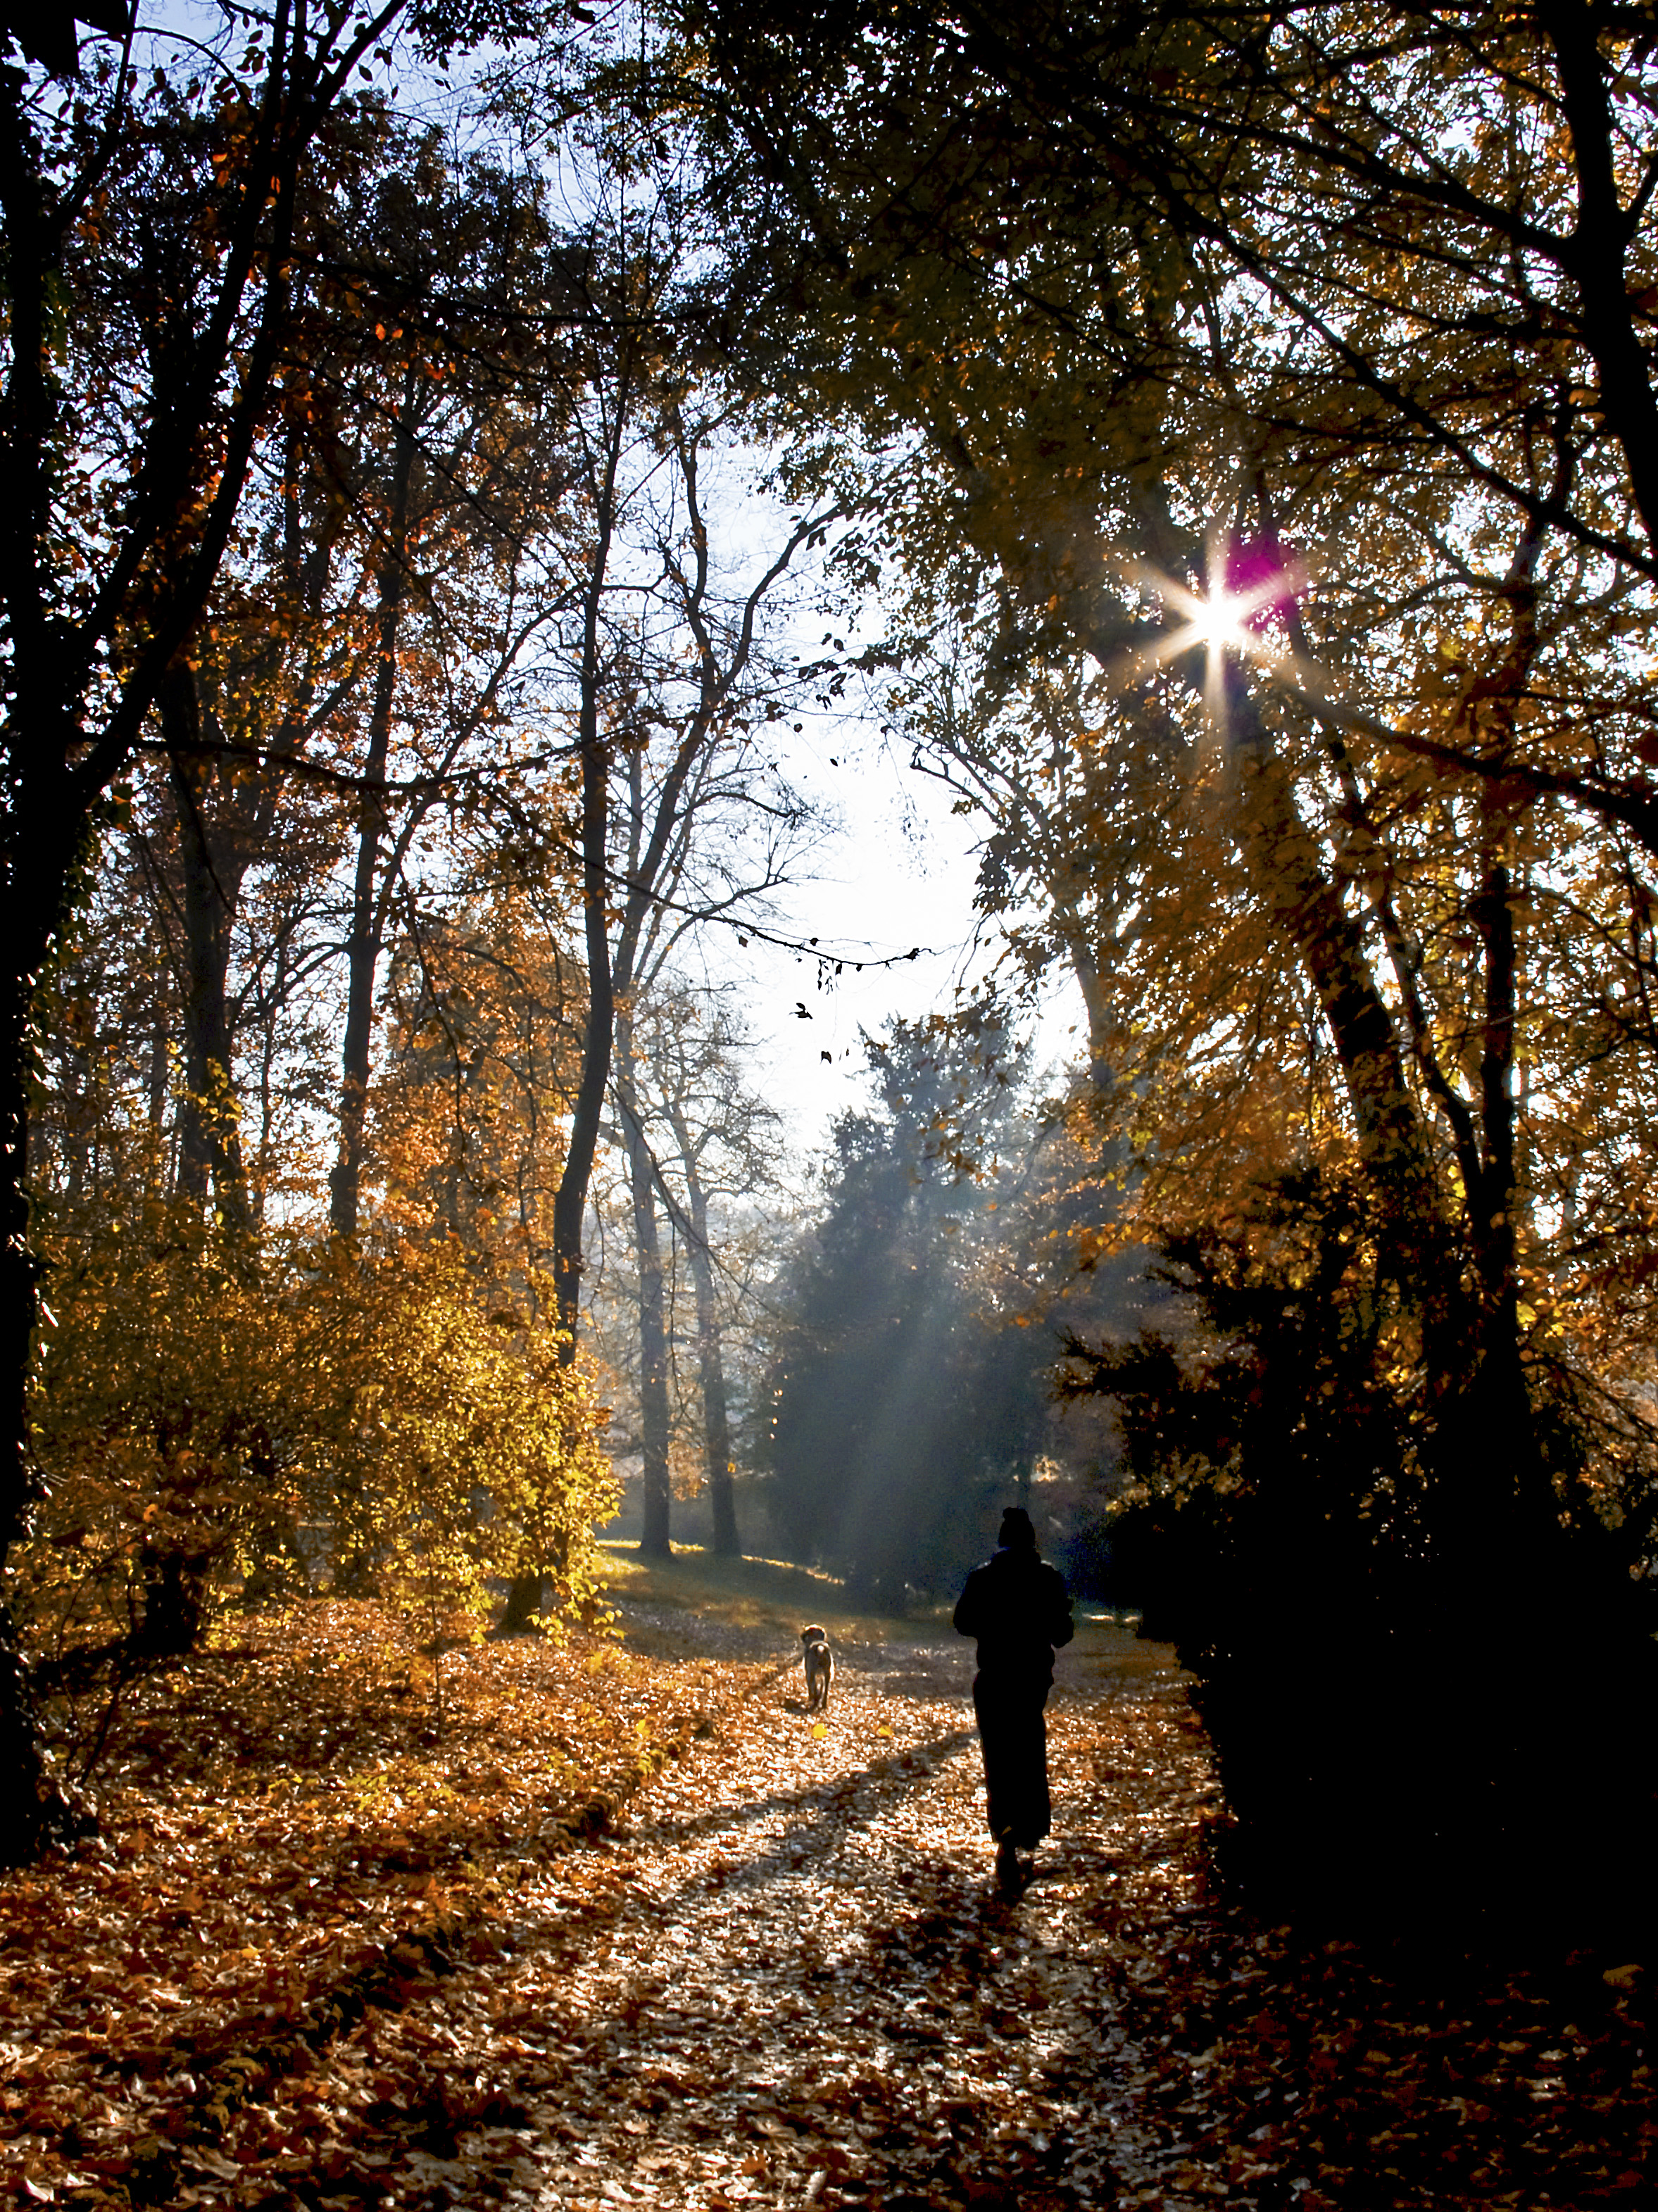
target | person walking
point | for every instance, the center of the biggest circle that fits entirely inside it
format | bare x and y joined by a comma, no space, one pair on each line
1018,1609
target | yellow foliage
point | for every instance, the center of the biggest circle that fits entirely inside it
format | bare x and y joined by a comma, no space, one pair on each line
362,1418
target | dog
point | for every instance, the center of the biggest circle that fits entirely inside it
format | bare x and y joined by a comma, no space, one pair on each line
820,1668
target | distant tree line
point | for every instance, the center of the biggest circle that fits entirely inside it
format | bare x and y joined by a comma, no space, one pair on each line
909,1394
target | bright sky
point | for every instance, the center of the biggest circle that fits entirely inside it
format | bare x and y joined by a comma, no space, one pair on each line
901,874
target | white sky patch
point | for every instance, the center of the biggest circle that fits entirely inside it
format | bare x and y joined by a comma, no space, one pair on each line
901,874
898,874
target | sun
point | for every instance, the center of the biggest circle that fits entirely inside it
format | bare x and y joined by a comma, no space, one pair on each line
1237,612
1220,620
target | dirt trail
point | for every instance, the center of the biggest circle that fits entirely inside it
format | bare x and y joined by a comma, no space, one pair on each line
789,1980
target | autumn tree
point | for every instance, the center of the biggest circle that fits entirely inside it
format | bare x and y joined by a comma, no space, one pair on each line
372,646
690,856
1140,449
1277,390
129,424
446,415
721,1203
683,816
720,1142
484,1016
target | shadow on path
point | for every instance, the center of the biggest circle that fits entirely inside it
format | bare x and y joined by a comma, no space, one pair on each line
794,1981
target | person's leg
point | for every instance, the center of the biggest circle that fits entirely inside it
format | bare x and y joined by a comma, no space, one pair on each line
989,1708
1013,1732
1012,1813
1032,1813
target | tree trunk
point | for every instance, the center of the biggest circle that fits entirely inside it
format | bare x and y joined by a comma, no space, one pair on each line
598,1031
34,732
156,1077
1499,1430
1608,291
654,1419
26,1819
210,1141
34,1809
1295,895
710,1357
363,946
1494,1466
716,1419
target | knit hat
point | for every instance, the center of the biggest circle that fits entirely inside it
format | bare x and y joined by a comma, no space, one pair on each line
1017,1530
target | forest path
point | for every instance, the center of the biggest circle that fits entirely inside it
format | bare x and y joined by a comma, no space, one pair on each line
343,1947
789,1979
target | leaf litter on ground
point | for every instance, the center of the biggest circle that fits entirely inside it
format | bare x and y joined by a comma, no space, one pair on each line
634,1928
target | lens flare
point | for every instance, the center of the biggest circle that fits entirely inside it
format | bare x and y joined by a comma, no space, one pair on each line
1243,611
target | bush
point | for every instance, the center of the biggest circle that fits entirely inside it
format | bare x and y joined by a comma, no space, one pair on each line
214,1421
1400,1722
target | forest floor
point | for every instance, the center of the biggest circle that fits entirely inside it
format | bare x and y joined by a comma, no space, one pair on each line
623,1924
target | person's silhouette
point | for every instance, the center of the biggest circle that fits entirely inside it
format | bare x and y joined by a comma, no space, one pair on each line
1019,1610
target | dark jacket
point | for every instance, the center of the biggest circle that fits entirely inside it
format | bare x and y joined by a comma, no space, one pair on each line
1019,1609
